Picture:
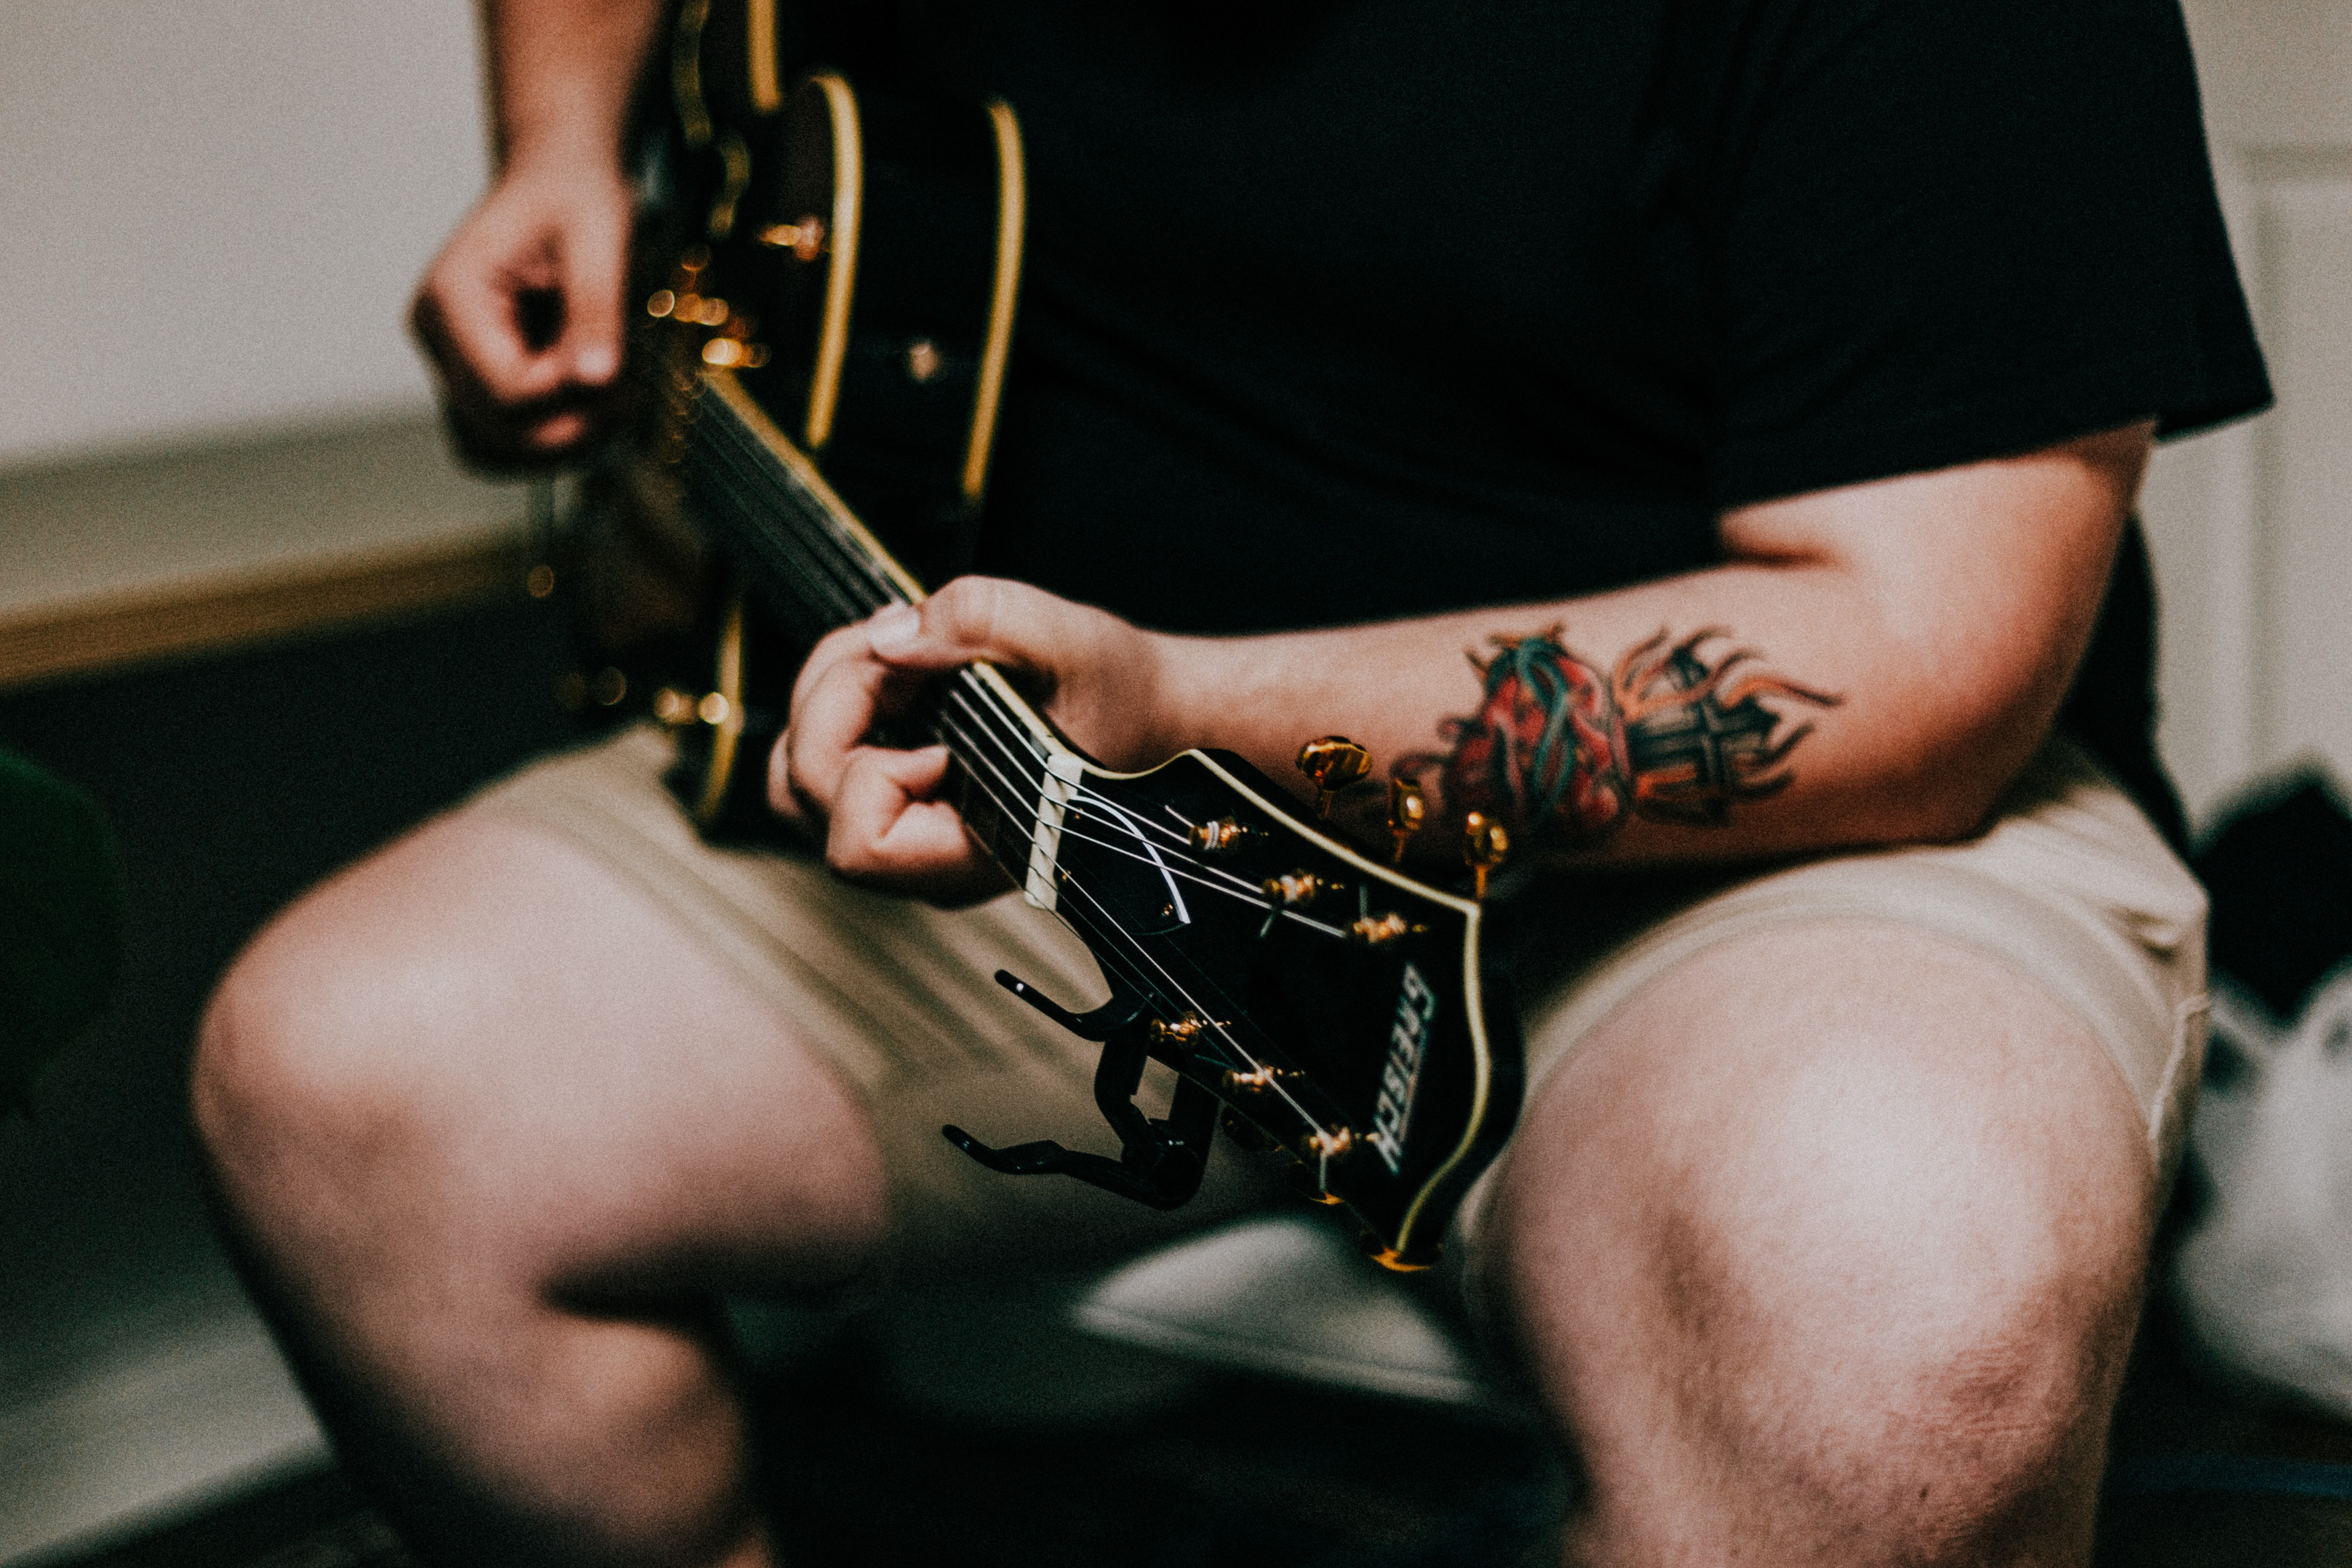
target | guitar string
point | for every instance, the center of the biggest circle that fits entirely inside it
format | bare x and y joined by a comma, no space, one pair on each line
1252,897
1070,882
744,470
1096,798
848,586
1205,1015
1187,868
1136,980
1247,895
748,470
809,535
854,578
1200,869
1183,841
1116,961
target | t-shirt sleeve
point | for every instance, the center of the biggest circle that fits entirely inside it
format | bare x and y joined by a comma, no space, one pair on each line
1946,231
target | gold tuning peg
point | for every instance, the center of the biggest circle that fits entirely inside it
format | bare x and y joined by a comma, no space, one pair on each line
1484,846
1331,764
1408,809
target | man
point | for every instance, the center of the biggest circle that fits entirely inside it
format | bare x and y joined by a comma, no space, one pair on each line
1776,373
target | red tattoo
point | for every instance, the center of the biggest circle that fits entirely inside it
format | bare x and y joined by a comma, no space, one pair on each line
1566,756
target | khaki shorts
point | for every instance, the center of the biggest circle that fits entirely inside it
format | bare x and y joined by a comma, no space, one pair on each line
2069,886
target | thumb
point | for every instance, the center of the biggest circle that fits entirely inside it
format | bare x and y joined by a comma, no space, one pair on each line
971,618
595,266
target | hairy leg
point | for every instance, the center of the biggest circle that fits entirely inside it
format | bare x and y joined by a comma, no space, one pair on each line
1827,1249
491,1130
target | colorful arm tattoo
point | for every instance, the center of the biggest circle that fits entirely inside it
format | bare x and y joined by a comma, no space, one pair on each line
1567,756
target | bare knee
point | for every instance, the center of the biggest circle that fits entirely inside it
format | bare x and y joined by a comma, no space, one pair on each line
1933,1397
481,1043
297,1087
1856,1283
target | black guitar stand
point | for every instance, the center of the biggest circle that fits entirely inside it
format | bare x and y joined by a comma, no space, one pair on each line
1161,1160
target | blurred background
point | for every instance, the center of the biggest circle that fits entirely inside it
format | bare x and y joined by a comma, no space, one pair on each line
247,602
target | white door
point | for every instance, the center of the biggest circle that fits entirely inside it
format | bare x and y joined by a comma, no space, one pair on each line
2252,527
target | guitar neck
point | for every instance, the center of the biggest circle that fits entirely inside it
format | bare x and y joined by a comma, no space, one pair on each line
817,568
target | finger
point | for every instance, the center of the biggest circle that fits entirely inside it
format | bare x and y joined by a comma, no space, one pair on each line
888,831
990,618
832,723
845,643
781,798
505,403
471,313
492,436
595,266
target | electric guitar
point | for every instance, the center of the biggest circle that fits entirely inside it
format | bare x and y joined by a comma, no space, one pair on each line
830,352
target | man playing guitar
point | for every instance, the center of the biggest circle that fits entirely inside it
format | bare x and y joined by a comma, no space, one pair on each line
1760,390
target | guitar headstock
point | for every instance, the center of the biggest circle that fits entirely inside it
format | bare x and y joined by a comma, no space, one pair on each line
1339,1010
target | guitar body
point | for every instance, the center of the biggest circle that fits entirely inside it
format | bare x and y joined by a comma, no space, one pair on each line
856,265
829,354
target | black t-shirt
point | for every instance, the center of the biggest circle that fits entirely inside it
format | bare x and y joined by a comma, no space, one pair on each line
1344,309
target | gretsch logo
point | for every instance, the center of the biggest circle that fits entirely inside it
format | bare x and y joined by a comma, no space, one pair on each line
1400,1078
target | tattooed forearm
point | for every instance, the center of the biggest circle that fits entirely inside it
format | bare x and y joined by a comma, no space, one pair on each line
1676,733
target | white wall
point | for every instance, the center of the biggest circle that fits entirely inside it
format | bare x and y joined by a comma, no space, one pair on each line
2252,528
212,212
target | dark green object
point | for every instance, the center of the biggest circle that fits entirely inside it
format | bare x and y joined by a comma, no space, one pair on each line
61,920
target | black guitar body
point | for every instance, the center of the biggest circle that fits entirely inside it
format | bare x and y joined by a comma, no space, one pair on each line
853,255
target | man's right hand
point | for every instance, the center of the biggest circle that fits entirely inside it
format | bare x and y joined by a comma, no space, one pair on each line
521,313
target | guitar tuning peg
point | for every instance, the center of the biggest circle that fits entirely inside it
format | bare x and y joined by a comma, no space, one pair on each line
1331,764
1485,844
1219,836
1408,809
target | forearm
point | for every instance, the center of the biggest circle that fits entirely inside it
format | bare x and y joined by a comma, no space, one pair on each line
1610,728
1870,669
561,73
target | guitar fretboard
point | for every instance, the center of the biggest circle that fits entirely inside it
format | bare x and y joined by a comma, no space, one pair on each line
816,568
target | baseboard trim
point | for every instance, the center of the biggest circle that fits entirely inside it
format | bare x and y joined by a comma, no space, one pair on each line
109,634
199,1417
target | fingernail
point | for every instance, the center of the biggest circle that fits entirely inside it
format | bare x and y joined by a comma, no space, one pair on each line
893,628
597,362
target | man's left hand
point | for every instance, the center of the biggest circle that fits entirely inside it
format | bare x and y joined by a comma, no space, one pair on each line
1103,682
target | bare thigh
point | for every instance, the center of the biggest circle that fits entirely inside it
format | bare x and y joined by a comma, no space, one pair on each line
489,1125
1827,1247
509,1043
